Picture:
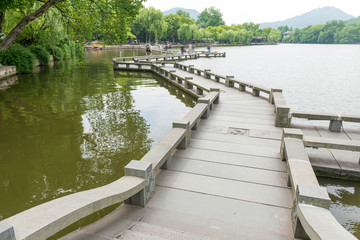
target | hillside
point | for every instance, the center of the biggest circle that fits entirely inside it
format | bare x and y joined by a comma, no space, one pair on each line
193,13
316,16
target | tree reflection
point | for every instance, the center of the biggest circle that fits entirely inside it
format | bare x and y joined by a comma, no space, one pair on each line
47,150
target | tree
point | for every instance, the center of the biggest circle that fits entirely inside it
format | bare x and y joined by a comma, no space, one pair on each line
210,17
349,34
188,32
183,13
150,22
174,22
274,35
81,17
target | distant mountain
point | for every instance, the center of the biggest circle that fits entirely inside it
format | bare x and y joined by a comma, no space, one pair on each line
193,13
316,16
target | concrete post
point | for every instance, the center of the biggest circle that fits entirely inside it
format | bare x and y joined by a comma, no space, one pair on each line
242,87
217,100
185,124
207,76
191,68
206,101
255,92
217,79
172,77
310,195
166,74
180,80
198,72
6,232
228,81
199,91
271,95
283,117
189,85
335,125
115,65
144,170
289,133
127,65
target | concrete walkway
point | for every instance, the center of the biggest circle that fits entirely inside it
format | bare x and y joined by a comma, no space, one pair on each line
230,183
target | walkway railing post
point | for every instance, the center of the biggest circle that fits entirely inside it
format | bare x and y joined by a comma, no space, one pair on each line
185,124
310,195
271,95
6,232
207,75
206,101
143,170
283,116
289,133
228,81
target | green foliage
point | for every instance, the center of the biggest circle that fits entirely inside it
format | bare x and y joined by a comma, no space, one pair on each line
183,13
57,52
174,22
150,23
210,17
331,32
41,54
18,56
80,52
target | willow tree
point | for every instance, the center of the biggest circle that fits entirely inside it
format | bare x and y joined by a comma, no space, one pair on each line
111,18
150,22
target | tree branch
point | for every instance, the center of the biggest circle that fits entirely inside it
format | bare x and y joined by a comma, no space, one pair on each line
15,32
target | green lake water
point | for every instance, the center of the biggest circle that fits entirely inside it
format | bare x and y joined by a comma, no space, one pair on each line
73,127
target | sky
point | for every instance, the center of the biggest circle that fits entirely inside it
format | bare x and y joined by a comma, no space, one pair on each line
258,11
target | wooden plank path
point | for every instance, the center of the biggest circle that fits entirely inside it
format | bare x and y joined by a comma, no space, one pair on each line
229,183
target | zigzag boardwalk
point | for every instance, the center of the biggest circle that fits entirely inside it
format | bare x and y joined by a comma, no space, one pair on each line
229,183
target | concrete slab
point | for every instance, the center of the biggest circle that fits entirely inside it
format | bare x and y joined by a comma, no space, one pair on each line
252,192
265,134
229,219
348,161
211,122
241,115
224,108
231,172
240,139
110,226
274,164
231,118
323,162
262,151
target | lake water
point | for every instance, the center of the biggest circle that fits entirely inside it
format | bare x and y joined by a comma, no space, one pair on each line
74,127
320,78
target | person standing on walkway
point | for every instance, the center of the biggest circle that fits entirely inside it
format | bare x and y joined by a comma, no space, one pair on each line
182,49
209,48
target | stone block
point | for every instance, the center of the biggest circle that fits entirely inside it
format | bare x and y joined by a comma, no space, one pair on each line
242,87
310,195
289,133
335,125
271,95
6,232
199,91
283,117
206,101
228,81
144,170
185,124
189,85
255,92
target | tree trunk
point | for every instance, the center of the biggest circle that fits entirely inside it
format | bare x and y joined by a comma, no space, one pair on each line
15,32
2,18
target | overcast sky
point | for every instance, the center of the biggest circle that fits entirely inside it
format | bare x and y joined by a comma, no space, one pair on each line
258,11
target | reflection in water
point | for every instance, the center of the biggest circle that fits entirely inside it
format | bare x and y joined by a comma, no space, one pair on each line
345,205
75,127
